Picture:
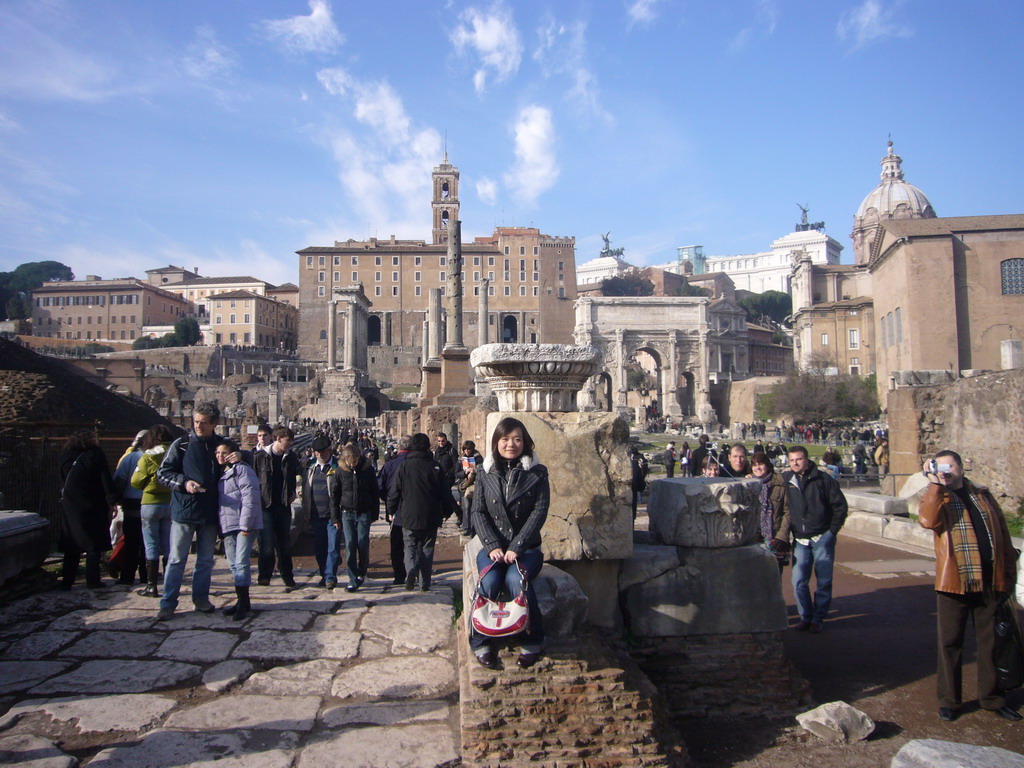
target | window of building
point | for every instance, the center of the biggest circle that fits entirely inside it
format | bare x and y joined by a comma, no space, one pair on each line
376,276
321,277
536,290
321,261
854,338
476,290
490,261
355,277
1011,273
561,266
443,276
321,291
476,261
824,339
337,261
442,261
418,261
417,276
881,333
476,276
506,250
247,338
355,261
309,263
231,320
508,290
246,318
561,291
522,250
376,290
508,263
418,291
522,277
394,290
490,290
394,277
536,250
394,261
899,326
522,290
507,276
337,277
536,276
376,261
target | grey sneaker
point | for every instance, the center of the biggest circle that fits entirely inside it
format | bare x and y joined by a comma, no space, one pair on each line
165,614
203,606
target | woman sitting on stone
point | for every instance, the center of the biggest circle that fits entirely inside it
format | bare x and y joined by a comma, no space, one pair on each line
774,519
509,509
241,517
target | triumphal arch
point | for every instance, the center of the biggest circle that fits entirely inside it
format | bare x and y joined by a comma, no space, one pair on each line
694,342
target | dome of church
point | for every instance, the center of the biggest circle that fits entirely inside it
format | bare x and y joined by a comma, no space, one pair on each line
893,198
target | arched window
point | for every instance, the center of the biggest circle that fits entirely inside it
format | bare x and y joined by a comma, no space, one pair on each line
881,335
444,219
899,326
445,192
1012,276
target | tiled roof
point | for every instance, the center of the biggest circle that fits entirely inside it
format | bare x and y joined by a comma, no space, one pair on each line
950,224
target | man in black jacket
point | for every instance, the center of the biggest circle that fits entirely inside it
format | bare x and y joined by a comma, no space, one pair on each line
277,469
385,479
422,494
817,510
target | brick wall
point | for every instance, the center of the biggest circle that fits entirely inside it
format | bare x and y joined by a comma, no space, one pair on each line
581,705
741,675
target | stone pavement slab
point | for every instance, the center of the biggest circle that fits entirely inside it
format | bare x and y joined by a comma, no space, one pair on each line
186,618
385,713
197,645
243,712
114,645
220,677
293,603
186,749
27,751
118,676
415,746
115,619
411,627
935,753
293,620
98,714
342,621
39,645
311,678
886,569
373,648
298,646
14,629
19,675
403,677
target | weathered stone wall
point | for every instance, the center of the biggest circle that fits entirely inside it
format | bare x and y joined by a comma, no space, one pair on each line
737,675
981,418
581,705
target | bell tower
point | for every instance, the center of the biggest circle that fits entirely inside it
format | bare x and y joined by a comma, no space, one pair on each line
445,205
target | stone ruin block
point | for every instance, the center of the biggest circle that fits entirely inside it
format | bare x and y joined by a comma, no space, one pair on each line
587,457
709,592
699,512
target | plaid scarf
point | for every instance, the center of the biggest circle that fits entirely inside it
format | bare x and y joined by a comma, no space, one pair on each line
965,540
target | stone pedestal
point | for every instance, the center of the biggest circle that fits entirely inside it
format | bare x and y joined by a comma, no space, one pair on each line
535,377
24,542
455,376
430,386
704,512
340,397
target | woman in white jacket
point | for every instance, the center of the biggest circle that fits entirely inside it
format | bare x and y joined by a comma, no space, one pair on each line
240,515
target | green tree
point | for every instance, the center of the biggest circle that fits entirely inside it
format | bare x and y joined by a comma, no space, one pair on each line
772,304
16,286
815,395
686,289
186,332
629,283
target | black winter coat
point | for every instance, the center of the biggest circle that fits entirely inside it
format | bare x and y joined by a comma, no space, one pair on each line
818,507
357,490
88,494
421,493
509,510
263,463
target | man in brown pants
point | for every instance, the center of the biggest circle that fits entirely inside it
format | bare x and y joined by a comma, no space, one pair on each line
975,569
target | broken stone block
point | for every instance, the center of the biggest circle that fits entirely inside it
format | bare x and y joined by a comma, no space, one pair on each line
837,721
699,512
33,752
711,592
648,561
935,753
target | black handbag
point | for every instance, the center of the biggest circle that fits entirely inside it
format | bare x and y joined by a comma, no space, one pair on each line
1009,650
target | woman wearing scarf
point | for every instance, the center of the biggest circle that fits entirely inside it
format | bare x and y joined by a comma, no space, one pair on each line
774,518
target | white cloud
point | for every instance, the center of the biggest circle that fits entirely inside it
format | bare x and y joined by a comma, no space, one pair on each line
206,58
562,51
641,12
766,19
487,190
384,160
315,33
41,58
870,22
536,167
7,124
493,36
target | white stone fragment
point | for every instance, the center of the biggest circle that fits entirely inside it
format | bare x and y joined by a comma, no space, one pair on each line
197,645
934,753
837,721
27,751
220,677
415,628
312,678
98,714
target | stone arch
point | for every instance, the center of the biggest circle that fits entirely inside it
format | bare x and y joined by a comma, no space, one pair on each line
603,398
373,331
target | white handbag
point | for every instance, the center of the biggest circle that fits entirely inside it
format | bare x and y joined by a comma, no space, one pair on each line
494,618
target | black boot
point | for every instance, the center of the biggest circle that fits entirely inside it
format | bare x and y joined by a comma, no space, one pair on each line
242,607
152,579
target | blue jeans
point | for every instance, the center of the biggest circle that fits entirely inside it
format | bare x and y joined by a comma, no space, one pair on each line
181,540
238,551
506,578
821,557
357,544
156,530
327,542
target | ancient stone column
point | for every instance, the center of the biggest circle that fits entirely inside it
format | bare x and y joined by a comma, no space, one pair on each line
426,338
453,299
332,334
434,322
350,336
482,321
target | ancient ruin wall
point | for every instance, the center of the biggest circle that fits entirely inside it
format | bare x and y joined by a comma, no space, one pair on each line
980,418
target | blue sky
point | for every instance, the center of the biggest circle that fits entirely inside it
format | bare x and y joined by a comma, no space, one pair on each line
229,134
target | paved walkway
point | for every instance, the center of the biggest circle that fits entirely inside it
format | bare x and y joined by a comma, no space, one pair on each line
313,678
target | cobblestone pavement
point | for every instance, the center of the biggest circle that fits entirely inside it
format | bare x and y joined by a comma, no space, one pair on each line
312,678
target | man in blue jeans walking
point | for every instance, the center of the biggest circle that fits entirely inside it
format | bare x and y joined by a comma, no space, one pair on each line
817,510
191,471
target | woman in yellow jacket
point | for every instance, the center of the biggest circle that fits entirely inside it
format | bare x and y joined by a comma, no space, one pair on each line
156,505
